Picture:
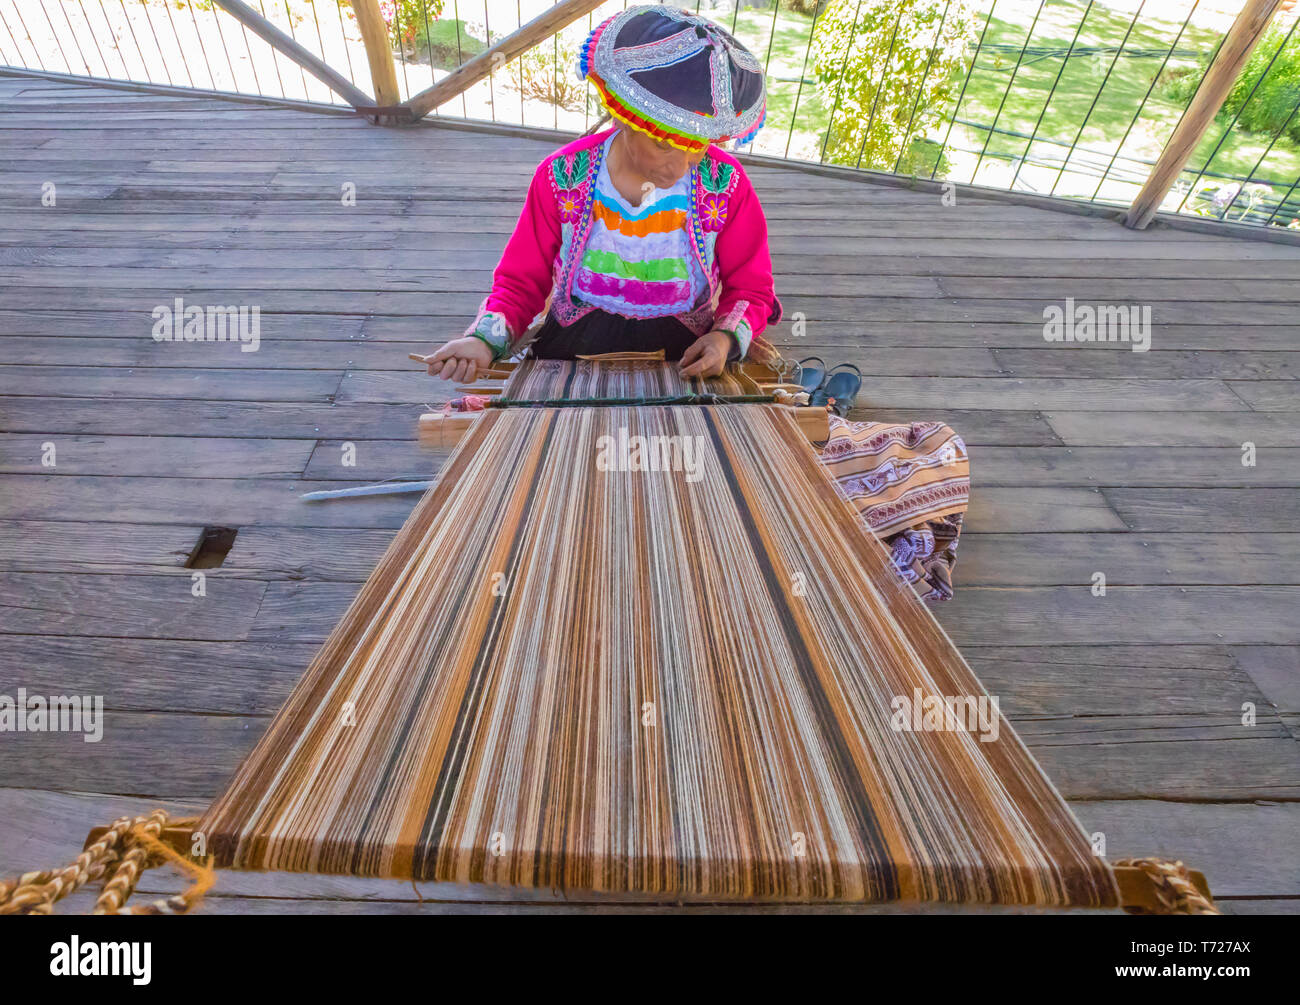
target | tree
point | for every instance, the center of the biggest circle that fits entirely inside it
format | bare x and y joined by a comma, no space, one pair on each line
887,70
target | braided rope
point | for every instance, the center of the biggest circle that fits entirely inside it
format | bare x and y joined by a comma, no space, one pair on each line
130,846
134,861
36,892
1173,887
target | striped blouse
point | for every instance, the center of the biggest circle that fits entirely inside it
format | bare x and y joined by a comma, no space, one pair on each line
638,261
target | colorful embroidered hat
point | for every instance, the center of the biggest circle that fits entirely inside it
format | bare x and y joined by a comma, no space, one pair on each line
675,76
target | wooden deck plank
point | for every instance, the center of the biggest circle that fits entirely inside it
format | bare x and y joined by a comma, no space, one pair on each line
272,502
979,427
1112,360
68,546
1171,429
1276,671
225,502
118,606
1268,395
1167,559
1113,681
288,419
196,456
138,325
156,382
171,675
1260,510
1126,614
1193,467
1045,393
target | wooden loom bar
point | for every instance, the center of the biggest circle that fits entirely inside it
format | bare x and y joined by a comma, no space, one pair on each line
1240,41
277,39
495,56
441,429
445,429
1137,889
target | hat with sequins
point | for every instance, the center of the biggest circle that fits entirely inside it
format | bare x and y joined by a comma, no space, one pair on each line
675,76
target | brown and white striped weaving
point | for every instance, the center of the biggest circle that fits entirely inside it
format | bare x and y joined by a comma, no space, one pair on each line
553,379
669,682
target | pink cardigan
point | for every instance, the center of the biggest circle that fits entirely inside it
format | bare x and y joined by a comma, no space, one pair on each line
729,236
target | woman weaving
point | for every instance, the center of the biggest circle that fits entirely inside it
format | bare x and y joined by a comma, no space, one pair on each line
647,236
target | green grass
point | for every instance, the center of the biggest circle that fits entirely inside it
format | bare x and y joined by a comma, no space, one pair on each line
446,43
1109,110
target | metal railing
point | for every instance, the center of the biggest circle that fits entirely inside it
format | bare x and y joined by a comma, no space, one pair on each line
1069,98
180,43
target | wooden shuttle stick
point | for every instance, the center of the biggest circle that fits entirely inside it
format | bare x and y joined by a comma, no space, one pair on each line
499,371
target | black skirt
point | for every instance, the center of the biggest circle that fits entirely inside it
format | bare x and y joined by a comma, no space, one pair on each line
599,332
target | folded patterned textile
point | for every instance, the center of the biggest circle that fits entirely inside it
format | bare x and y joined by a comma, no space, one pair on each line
910,483
925,556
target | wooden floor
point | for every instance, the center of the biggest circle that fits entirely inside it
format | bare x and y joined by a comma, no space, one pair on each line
1085,459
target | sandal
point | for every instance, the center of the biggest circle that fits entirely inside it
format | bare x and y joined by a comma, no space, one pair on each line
810,377
839,388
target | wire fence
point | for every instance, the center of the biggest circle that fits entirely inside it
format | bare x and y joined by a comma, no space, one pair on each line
1070,98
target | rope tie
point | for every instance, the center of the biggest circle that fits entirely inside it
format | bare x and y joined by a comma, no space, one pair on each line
1173,887
129,847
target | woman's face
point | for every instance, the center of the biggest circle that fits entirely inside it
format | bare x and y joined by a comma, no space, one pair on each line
658,160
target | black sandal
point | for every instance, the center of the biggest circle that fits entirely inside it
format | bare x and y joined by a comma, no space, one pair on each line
839,388
810,378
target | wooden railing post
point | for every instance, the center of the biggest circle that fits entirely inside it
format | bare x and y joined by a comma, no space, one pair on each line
379,51
1242,37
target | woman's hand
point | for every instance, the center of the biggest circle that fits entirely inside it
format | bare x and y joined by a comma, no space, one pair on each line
460,360
707,355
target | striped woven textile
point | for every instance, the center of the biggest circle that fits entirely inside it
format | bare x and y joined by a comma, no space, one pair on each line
554,379
898,475
578,670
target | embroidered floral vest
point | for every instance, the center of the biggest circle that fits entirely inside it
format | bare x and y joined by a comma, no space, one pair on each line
573,181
